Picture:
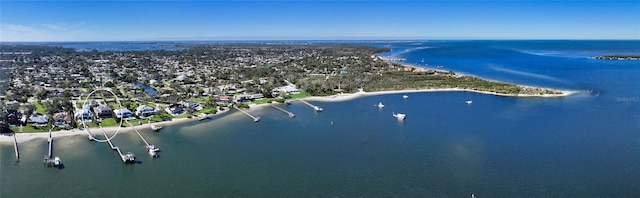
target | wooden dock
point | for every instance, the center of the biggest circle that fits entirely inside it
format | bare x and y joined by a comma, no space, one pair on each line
291,115
152,148
15,147
255,119
124,158
316,108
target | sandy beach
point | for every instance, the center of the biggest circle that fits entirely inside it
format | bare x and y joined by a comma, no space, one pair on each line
351,96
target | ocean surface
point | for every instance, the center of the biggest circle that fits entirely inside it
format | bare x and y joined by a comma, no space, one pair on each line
585,145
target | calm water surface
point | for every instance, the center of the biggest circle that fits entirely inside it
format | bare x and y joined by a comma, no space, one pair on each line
582,145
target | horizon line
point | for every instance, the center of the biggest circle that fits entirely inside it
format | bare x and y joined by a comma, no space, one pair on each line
337,39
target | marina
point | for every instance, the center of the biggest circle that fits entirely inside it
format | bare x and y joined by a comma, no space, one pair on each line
291,115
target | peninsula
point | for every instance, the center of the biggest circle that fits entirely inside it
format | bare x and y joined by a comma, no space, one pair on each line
47,85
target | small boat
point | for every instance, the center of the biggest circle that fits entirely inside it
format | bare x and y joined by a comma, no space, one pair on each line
153,148
153,153
422,60
130,157
317,108
156,128
256,119
469,101
380,105
405,96
56,161
400,116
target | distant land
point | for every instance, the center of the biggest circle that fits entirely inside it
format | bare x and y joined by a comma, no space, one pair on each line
618,57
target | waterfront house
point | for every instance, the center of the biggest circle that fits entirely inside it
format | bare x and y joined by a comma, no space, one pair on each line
103,111
62,119
38,119
13,117
175,109
84,114
124,113
222,100
192,105
145,111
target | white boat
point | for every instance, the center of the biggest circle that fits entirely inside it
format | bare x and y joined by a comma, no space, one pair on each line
56,161
380,105
152,153
469,101
130,157
422,60
156,128
317,108
153,148
400,116
405,96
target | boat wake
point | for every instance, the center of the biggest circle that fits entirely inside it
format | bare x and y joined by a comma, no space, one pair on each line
528,74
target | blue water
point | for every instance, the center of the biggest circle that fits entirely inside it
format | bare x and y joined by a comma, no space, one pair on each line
148,89
585,145
120,46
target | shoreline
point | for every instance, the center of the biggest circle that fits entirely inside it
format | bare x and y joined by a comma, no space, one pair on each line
26,137
351,96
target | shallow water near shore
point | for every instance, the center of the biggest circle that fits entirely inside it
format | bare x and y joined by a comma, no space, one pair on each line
581,145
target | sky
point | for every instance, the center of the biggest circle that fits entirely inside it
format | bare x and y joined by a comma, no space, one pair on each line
330,20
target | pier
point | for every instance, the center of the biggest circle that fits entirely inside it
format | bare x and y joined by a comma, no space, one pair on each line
152,148
15,147
291,115
128,158
316,108
255,119
49,160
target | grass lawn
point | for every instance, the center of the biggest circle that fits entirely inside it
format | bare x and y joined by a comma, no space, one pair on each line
302,94
30,129
185,115
209,110
109,122
200,100
39,108
156,118
261,101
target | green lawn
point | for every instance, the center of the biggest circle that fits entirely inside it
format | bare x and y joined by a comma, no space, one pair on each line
209,110
261,101
31,129
200,100
39,108
109,122
185,115
302,94
156,118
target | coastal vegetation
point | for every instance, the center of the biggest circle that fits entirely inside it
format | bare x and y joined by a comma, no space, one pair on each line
203,78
